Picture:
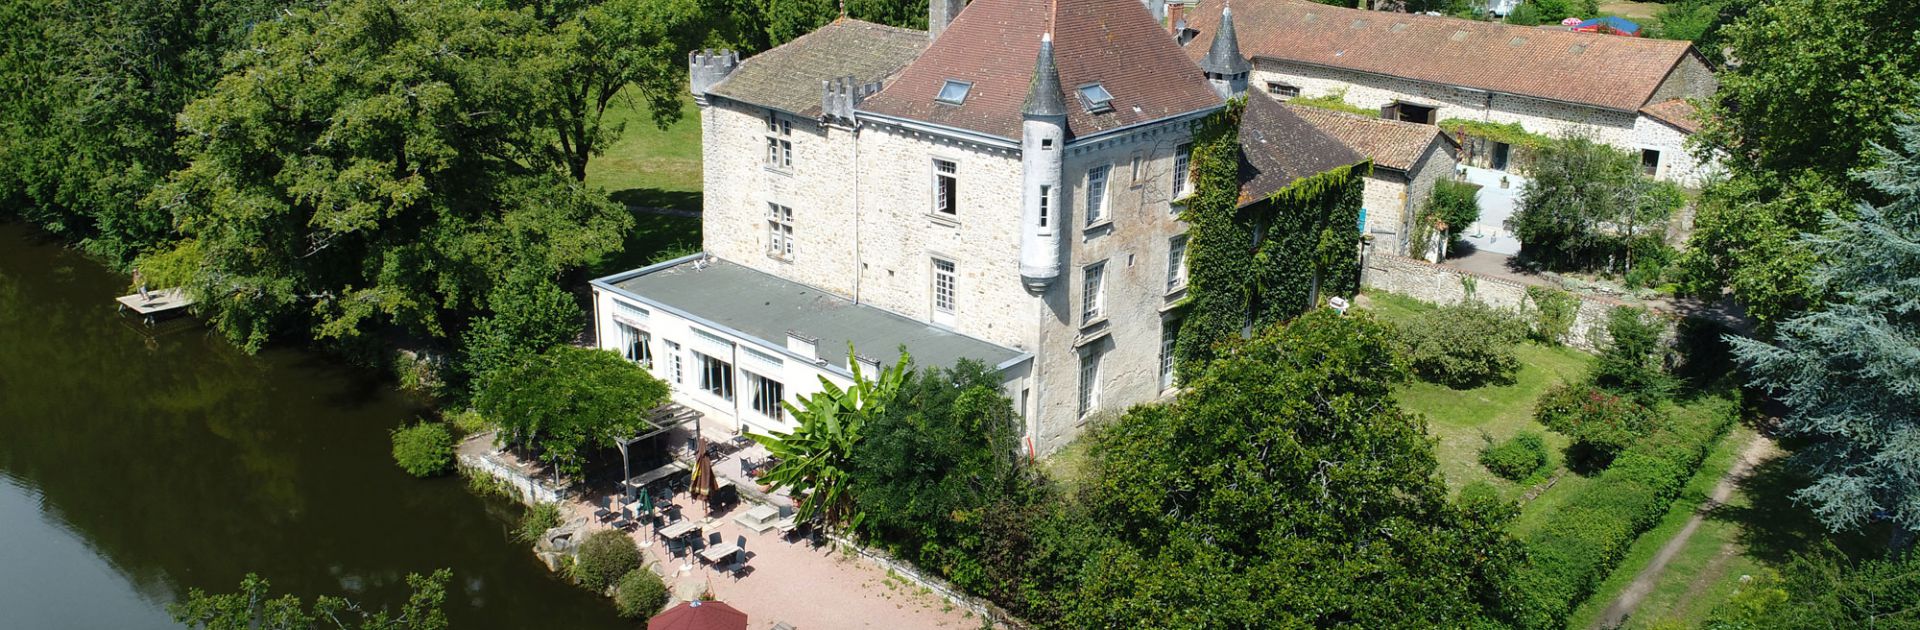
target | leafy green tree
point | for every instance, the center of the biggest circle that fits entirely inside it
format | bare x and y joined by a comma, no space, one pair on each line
566,400
377,163
1585,203
530,314
1633,362
1462,346
1284,488
87,128
1824,589
1818,83
816,459
253,607
1850,372
1455,204
941,461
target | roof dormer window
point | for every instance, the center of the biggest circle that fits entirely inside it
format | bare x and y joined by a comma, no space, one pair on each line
1095,98
954,92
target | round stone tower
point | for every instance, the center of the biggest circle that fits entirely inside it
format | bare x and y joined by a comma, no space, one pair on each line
1043,140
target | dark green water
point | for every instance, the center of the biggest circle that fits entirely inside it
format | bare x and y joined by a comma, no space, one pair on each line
133,469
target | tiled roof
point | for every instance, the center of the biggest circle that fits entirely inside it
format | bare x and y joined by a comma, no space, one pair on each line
1391,143
1278,147
993,44
788,77
1608,71
1677,112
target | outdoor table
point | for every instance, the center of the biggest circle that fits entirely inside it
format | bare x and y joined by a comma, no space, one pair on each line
642,480
679,529
719,552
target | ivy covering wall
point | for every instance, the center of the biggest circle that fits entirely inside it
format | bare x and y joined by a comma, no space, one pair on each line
1263,264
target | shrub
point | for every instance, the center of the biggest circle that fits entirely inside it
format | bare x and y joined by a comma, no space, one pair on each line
424,449
537,520
1462,346
640,593
1580,544
468,421
604,557
1455,204
1553,313
1517,458
1633,361
1593,417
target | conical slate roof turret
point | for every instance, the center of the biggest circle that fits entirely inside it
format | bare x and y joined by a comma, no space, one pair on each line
1224,57
1043,94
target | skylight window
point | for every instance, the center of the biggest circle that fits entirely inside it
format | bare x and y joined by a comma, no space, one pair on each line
1096,98
954,92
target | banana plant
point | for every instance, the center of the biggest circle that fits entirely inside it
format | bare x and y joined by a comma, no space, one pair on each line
816,459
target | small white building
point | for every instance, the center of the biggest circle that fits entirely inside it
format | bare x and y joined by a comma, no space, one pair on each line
1629,92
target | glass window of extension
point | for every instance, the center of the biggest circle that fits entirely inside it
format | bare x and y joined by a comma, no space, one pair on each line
716,376
767,394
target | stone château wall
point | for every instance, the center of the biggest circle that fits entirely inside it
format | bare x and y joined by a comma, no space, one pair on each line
1438,284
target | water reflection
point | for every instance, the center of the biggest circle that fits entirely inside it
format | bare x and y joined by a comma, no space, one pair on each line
177,462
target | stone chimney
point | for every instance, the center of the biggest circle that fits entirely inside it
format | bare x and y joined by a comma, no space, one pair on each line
707,68
940,13
840,96
803,345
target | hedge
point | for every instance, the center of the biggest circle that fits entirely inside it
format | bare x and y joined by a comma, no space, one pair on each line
1579,545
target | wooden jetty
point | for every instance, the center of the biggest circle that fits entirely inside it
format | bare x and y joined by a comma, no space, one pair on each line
155,304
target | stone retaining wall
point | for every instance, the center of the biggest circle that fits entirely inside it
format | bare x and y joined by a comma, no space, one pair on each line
1437,284
981,608
475,457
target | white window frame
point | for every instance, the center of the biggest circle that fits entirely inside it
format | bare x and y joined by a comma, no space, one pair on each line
1046,207
1133,166
1098,179
1090,381
779,231
1182,171
946,187
766,400
677,372
779,142
1282,91
636,345
944,285
1093,293
1169,337
1176,262
708,372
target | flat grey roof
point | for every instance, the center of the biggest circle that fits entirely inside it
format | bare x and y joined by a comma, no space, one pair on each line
766,306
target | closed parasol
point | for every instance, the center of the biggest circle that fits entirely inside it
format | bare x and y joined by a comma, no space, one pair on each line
703,481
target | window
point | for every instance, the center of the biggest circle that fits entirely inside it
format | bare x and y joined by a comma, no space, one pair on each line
779,142
1046,144
1133,165
1097,193
779,231
944,280
767,394
946,187
676,374
1093,293
1089,381
636,345
1046,204
1095,98
1182,170
1282,90
716,376
1176,262
1407,112
1649,162
1169,334
954,92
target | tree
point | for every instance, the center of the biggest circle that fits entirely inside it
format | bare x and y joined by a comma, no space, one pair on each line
1584,205
816,459
530,314
254,608
87,128
1818,83
565,400
375,164
1633,362
1284,488
1822,588
1849,372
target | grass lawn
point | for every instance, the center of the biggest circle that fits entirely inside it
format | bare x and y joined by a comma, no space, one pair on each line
647,166
1458,418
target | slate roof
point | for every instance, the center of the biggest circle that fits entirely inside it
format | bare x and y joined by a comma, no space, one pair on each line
788,77
1390,143
1676,112
1278,147
1606,71
764,306
994,44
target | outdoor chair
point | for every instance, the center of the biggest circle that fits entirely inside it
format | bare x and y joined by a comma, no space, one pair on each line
603,512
